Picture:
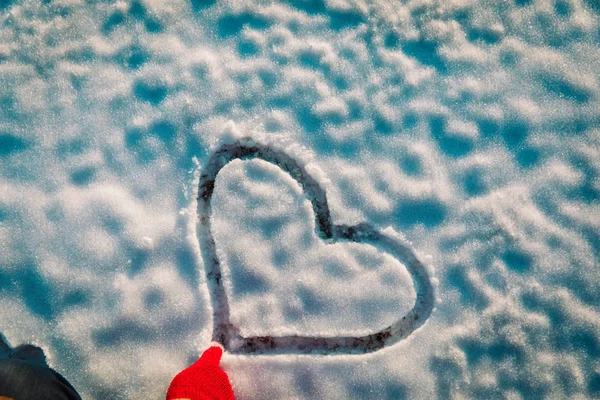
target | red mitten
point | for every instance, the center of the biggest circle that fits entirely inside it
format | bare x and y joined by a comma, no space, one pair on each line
204,380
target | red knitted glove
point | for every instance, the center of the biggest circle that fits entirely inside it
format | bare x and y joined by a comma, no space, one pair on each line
204,380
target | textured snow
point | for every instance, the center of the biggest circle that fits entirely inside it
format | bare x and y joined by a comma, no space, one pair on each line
283,279
471,128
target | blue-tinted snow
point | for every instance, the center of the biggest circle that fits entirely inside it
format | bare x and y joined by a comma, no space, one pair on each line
470,127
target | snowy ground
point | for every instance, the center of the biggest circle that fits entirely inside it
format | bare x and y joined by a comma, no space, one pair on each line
471,129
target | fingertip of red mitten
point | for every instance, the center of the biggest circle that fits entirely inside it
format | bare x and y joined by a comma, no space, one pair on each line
205,379
211,356
217,344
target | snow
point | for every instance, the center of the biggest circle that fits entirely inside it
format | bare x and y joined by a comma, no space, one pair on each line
466,133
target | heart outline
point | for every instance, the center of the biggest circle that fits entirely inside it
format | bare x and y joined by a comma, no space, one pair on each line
229,336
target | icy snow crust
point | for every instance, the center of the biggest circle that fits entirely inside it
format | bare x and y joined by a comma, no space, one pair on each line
471,128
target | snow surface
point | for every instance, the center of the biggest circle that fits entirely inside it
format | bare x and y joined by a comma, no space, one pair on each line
286,280
470,128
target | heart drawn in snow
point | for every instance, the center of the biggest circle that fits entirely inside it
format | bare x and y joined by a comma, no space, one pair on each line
229,335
